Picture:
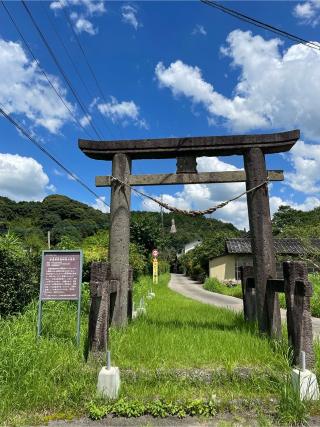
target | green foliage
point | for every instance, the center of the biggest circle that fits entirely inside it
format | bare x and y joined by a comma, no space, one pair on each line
196,262
212,284
59,214
45,375
96,247
47,379
157,408
66,243
18,276
288,218
291,410
148,233
73,224
137,260
315,298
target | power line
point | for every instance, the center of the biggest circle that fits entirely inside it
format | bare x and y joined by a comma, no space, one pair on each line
82,49
60,68
48,154
53,26
260,24
41,69
76,69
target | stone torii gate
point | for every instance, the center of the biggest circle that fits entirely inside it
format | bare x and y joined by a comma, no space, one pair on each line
252,147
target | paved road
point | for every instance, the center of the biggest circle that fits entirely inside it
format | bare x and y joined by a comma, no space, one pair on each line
191,289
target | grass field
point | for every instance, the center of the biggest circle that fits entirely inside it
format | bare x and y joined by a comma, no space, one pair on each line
49,378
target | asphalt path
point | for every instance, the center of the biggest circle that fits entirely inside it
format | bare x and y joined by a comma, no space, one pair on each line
194,290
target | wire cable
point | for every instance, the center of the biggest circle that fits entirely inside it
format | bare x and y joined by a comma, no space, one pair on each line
48,154
53,26
260,24
41,69
76,69
60,68
92,72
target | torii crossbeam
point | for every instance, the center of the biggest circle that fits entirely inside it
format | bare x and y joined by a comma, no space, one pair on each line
252,147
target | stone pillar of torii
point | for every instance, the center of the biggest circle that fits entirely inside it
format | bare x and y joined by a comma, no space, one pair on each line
186,150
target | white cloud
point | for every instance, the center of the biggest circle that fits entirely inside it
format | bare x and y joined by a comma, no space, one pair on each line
199,29
24,90
308,12
305,159
100,205
129,16
85,120
124,112
186,80
22,178
81,24
271,91
57,172
83,19
308,204
203,196
56,5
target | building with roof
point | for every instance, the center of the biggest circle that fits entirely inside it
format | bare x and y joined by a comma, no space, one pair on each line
238,253
189,246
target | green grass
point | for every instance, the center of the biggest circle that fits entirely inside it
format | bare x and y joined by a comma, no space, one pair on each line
212,284
44,376
315,299
179,332
49,378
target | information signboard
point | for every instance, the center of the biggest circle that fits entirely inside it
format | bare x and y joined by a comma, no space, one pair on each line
61,276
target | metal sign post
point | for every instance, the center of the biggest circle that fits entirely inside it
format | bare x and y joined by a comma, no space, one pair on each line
61,276
155,254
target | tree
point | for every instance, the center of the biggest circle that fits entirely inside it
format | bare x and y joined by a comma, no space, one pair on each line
18,276
196,261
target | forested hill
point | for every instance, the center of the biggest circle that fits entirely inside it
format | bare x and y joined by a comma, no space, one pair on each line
289,222
59,214
63,216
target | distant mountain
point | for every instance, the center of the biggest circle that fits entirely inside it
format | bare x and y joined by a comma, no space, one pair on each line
59,214
63,216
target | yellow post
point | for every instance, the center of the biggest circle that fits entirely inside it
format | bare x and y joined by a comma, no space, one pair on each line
155,271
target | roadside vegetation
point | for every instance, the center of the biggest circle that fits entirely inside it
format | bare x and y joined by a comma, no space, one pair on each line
233,289
181,351
181,358
214,285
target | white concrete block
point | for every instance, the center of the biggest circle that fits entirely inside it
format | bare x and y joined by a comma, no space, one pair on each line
109,382
305,383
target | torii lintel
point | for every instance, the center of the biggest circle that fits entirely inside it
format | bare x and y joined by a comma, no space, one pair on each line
165,148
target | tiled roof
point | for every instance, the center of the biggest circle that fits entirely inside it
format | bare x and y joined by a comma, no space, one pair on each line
282,246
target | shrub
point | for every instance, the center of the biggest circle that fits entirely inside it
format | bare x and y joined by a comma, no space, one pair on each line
18,276
212,284
195,263
96,247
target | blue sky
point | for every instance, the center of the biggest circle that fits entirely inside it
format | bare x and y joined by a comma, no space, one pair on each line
165,69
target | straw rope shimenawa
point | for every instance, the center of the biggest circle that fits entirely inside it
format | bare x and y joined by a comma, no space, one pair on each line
191,212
